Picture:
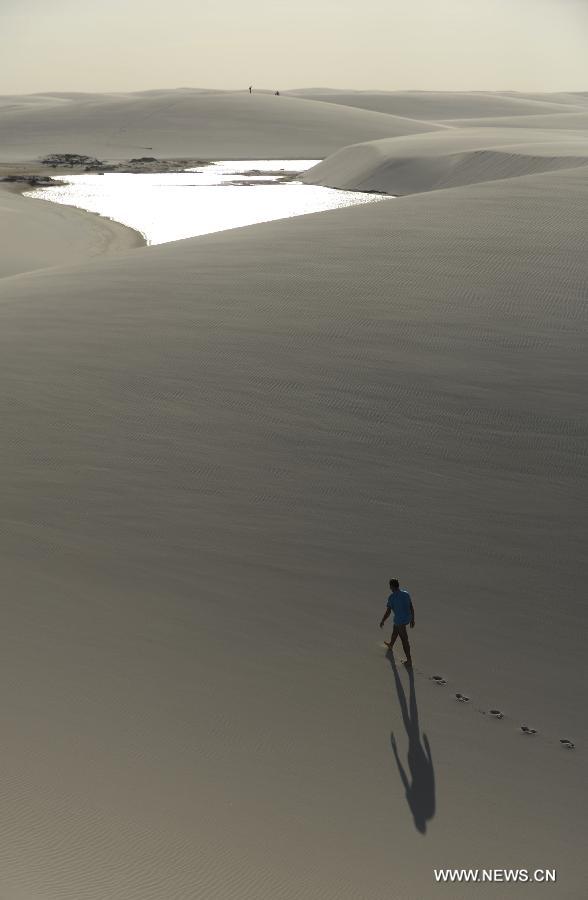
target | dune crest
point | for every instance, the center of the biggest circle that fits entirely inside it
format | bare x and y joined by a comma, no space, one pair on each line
188,123
436,106
447,159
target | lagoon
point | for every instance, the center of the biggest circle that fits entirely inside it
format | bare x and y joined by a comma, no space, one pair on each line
224,194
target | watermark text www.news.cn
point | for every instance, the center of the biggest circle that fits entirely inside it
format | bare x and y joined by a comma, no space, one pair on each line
540,876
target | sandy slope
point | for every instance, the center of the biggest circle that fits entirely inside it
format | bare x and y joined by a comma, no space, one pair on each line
35,235
440,105
215,454
451,158
565,122
188,123
571,98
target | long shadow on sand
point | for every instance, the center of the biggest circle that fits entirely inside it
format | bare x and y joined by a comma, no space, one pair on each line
420,789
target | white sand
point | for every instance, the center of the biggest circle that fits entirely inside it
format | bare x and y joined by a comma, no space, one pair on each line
216,452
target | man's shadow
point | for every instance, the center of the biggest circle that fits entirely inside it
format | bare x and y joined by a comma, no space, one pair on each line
420,789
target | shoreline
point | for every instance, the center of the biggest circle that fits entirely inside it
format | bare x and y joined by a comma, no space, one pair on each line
115,236
39,234
105,235
34,182
140,239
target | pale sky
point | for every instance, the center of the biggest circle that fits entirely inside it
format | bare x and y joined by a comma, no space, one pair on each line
118,45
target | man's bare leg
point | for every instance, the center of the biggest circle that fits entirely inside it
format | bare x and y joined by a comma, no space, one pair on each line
392,640
405,643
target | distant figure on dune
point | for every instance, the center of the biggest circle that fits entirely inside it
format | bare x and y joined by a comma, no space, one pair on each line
277,93
249,88
400,603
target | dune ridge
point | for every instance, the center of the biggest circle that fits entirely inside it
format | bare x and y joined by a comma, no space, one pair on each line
565,122
448,159
188,123
438,106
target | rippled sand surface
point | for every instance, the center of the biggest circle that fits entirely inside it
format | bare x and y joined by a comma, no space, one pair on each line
215,454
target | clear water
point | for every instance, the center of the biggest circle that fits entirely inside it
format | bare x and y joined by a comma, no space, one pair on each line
227,194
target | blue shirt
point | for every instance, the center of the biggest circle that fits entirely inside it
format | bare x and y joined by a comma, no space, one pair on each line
399,602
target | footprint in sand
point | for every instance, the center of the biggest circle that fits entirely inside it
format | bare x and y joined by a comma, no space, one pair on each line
495,713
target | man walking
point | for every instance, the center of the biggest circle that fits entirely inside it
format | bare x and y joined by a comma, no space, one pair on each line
400,603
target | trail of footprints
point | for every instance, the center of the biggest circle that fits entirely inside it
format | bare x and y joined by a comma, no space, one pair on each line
496,713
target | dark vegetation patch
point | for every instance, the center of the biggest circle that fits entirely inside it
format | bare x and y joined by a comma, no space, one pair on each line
137,164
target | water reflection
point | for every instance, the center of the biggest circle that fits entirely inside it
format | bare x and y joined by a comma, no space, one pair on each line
170,206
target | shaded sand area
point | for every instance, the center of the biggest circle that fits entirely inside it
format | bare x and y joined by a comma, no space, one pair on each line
216,452
37,235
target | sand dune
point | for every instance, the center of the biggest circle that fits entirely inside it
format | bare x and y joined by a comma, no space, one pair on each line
188,123
570,121
26,101
36,235
431,105
215,454
448,159
573,98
